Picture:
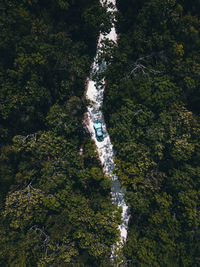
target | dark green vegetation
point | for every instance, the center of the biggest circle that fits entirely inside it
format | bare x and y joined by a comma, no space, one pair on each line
54,199
152,111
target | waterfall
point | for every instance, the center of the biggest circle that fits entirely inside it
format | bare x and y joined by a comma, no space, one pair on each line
105,149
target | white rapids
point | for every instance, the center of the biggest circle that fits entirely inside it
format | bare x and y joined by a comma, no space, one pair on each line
105,148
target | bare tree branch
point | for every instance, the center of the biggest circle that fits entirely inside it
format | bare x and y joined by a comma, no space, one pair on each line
140,65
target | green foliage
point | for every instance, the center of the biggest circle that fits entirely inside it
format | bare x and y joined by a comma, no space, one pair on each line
24,207
46,55
153,119
55,201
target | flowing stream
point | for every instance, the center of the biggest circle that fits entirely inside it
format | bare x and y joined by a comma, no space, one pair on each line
105,148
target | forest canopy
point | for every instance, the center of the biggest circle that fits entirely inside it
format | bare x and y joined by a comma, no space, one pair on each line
151,107
56,208
55,200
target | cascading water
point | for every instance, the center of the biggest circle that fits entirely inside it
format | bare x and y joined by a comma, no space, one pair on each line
105,148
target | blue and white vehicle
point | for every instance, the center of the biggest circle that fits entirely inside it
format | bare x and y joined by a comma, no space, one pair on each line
98,131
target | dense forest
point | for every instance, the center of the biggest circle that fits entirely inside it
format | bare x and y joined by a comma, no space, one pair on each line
151,107
55,203
54,198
